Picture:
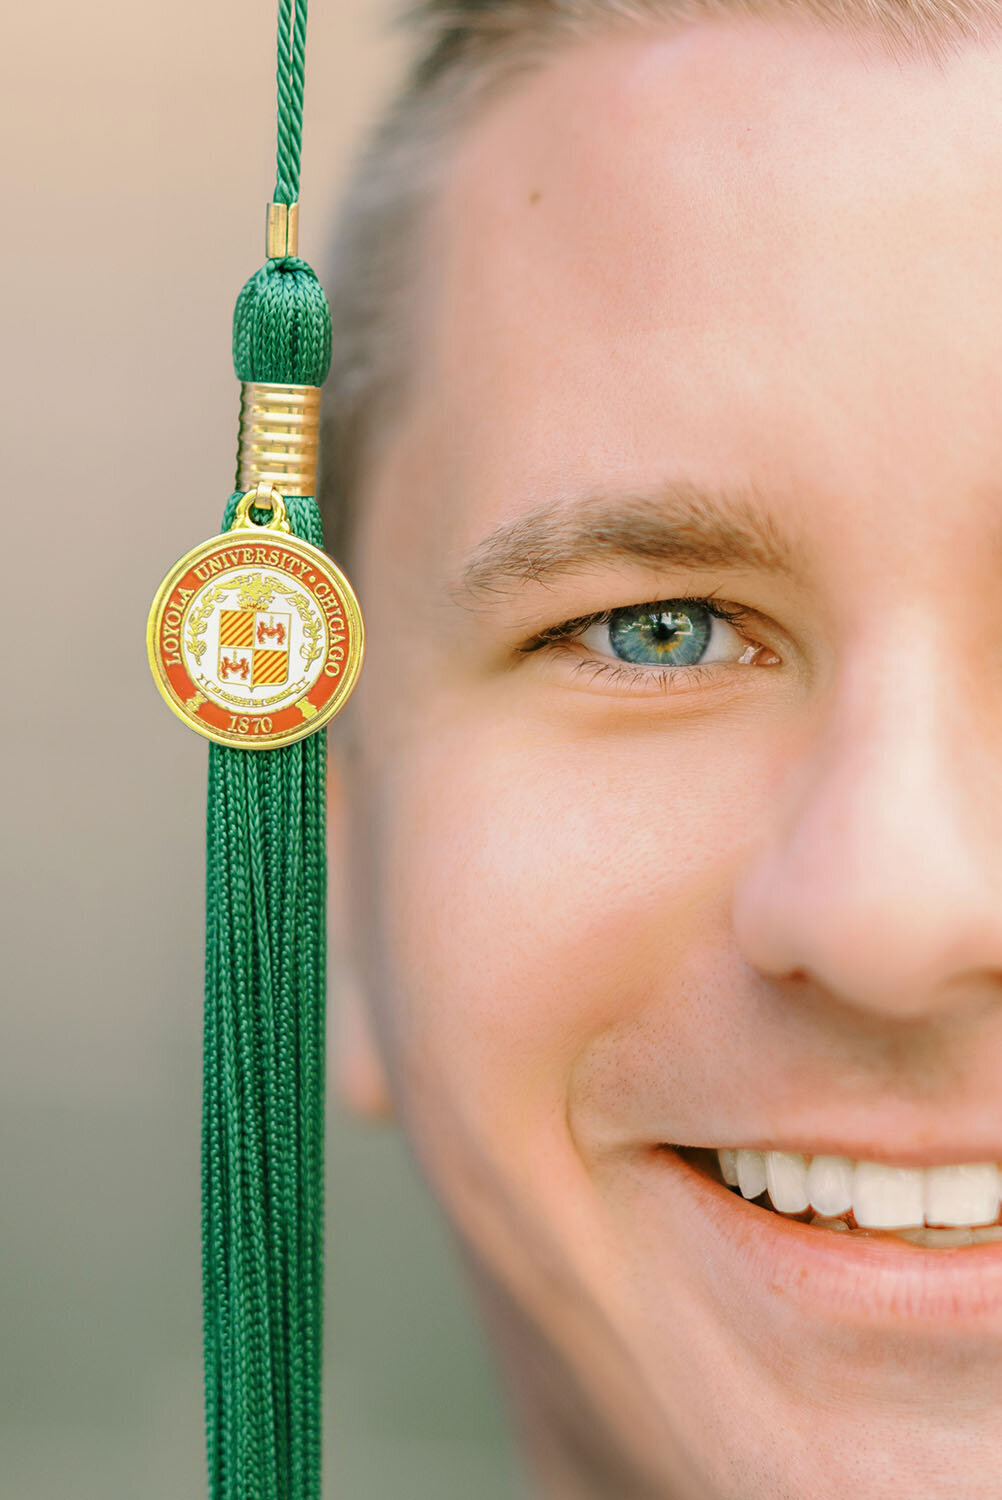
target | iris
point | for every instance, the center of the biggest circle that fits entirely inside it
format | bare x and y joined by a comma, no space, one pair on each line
663,635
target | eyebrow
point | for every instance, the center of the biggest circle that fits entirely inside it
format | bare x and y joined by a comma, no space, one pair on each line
684,526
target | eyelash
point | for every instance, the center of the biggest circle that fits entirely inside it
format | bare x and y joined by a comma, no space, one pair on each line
615,673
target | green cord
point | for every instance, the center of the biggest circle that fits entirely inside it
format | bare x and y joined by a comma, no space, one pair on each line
291,78
265,986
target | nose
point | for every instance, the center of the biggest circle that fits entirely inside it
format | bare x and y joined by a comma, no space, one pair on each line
879,880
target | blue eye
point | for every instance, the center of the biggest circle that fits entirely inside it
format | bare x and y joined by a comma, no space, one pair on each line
664,645
670,633
661,636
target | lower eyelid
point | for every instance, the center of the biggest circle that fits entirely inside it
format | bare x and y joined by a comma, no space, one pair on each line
610,672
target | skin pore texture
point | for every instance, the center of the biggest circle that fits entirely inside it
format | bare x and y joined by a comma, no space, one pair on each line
590,909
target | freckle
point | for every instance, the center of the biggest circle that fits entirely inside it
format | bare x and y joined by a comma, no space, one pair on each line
535,195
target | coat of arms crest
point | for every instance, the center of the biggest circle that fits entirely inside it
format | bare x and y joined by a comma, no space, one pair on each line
254,647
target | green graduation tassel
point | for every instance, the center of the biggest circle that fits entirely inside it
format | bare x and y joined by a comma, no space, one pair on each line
263,1088
255,639
263,1121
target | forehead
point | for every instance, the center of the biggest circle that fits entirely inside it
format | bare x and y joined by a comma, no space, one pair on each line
744,253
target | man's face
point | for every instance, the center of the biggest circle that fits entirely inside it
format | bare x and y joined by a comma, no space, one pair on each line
711,317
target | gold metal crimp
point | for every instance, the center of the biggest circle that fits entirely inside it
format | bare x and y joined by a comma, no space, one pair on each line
262,497
279,437
281,236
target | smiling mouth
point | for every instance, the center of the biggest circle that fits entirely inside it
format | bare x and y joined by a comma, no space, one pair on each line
942,1207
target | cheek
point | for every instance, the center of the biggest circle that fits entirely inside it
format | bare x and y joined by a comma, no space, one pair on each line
533,891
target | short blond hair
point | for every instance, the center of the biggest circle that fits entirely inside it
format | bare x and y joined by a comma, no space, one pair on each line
468,51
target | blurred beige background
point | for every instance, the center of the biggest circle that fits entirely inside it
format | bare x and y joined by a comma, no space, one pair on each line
139,156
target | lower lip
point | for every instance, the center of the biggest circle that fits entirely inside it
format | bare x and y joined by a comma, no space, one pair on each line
839,1276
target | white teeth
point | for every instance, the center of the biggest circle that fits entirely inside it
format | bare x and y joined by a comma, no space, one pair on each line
728,1166
887,1197
751,1173
786,1176
962,1195
948,1199
829,1185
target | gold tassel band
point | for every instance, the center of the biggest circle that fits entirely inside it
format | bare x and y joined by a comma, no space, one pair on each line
279,437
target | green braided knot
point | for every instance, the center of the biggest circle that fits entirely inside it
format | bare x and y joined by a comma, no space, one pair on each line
282,326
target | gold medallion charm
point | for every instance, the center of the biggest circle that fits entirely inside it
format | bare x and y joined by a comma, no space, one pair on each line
255,638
